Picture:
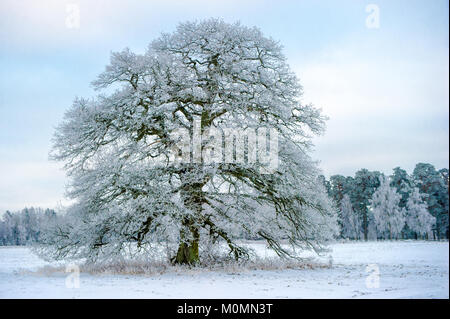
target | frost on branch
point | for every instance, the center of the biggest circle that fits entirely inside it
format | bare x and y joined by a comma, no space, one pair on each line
117,150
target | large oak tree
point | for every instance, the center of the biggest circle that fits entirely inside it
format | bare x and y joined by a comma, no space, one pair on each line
118,151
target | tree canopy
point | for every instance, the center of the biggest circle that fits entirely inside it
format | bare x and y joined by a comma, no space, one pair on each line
119,150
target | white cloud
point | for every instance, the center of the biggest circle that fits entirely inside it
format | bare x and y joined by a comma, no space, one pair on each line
112,24
31,183
385,91
385,110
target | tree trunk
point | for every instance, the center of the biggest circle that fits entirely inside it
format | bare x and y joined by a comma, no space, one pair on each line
189,234
188,249
365,226
191,192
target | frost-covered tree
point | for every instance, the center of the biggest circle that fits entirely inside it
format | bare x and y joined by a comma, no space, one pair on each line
434,184
338,187
418,219
351,225
402,183
388,216
118,149
363,187
23,227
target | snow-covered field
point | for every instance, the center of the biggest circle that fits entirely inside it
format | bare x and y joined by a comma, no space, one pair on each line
407,269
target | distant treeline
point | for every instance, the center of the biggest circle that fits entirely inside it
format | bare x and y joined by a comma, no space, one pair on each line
374,206
25,226
370,206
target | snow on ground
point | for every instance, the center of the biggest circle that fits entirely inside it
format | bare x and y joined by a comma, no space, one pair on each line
407,269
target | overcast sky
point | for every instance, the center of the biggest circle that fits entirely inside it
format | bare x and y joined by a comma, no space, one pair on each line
383,83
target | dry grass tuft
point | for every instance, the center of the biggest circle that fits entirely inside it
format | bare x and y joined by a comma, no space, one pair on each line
154,268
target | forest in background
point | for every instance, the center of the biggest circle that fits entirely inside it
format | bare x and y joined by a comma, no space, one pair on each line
370,206
400,206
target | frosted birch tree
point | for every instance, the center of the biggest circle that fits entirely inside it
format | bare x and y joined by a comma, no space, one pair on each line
118,149
388,216
418,219
351,225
